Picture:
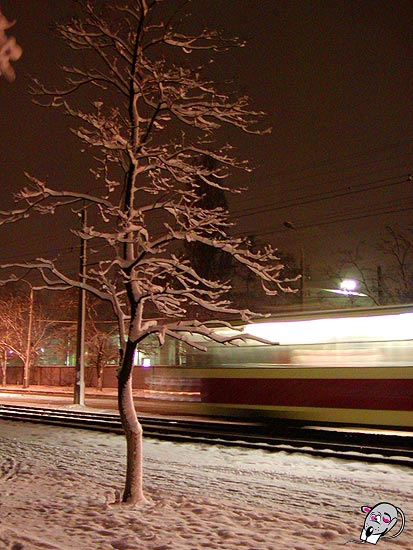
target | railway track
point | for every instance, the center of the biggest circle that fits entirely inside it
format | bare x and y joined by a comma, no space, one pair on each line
349,443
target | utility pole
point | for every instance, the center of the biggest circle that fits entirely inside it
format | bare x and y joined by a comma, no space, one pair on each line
26,369
302,280
79,390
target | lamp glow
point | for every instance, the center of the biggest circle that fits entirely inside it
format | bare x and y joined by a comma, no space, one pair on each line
348,285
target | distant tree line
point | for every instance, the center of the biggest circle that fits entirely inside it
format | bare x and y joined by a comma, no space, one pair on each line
387,280
40,328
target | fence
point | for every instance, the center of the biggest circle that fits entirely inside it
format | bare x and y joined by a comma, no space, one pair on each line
65,376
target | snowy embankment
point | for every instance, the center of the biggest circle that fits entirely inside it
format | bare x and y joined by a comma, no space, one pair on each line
55,484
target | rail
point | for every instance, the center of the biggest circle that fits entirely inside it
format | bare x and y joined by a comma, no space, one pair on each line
371,445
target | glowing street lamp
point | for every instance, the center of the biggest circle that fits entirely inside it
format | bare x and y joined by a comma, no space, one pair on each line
348,287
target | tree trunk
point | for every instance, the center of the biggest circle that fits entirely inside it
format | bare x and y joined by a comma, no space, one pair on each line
99,367
4,369
133,492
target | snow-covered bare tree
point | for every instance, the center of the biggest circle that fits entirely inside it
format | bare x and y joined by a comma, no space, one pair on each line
23,328
100,339
141,102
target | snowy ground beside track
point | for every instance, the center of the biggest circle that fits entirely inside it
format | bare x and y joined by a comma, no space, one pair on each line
54,482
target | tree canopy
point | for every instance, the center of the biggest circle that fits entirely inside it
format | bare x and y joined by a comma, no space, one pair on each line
145,108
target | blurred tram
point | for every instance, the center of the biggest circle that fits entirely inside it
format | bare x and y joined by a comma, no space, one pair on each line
343,366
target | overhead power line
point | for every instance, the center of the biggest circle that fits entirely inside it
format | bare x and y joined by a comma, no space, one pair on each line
344,217
317,197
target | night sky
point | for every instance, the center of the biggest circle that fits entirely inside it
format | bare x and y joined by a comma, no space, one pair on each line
336,80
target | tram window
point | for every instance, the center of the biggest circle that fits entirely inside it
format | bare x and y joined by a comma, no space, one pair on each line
338,355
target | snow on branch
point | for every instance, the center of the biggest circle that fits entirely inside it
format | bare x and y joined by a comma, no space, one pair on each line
9,50
265,263
148,119
40,192
52,277
185,331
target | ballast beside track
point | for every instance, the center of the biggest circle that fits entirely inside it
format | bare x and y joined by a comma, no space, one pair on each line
371,445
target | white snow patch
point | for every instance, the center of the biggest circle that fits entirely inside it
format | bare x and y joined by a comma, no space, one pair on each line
55,484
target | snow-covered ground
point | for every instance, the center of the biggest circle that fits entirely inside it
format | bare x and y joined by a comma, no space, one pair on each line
55,483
